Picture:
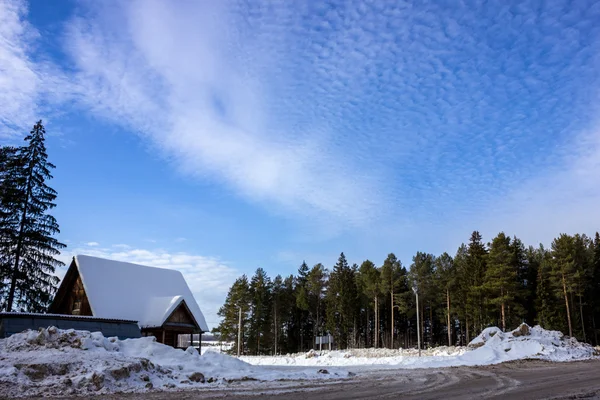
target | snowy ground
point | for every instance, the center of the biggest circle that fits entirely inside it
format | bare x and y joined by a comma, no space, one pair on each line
53,361
491,347
216,346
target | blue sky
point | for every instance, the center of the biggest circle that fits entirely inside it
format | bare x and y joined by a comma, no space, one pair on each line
218,137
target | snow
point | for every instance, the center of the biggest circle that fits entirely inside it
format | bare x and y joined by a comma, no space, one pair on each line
129,291
492,346
61,362
54,361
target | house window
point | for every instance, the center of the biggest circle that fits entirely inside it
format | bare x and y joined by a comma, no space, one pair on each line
76,307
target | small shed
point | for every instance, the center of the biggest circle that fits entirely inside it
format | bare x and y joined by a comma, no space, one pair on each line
159,299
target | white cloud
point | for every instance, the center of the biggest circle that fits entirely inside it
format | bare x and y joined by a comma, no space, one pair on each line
92,244
208,277
169,73
28,88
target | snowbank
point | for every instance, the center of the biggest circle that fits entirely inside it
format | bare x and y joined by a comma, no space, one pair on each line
492,346
53,361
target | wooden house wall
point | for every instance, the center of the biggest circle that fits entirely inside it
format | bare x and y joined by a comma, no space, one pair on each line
75,301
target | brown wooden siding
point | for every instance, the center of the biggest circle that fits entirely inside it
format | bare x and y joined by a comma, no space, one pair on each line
75,301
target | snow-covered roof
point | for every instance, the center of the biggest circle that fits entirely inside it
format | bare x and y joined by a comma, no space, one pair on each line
122,290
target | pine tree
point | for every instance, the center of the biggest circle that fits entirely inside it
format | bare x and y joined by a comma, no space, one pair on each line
476,263
315,287
464,281
341,302
259,333
32,249
564,272
238,302
371,285
302,306
501,276
595,286
277,296
391,279
446,273
422,274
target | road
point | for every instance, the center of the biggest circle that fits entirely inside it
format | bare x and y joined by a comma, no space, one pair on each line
517,380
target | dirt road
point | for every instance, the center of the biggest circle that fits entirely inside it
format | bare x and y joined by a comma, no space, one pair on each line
518,380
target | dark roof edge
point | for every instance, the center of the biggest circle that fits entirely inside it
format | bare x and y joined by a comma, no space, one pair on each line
63,316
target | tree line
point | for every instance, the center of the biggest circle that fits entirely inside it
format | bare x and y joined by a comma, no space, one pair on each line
502,283
27,245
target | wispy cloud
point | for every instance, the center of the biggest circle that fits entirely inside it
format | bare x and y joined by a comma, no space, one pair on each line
172,74
352,113
209,278
92,244
29,86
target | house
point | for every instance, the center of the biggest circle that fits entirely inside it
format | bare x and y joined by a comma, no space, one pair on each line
158,299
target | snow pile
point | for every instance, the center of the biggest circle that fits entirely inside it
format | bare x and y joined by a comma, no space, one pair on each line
492,346
54,361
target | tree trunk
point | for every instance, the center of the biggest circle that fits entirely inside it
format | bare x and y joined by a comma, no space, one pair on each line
430,324
467,330
15,272
503,314
595,330
275,325
367,333
581,313
376,338
392,329
239,343
422,323
448,309
567,305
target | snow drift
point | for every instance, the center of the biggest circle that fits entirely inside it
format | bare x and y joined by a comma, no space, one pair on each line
54,361
492,346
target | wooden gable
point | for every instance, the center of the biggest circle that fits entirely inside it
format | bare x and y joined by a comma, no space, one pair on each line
182,317
71,298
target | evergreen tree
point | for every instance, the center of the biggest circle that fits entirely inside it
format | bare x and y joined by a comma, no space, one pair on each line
278,301
501,276
370,279
259,334
29,247
564,272
595,287
315,287
238,302
341,302
422,274
446,273
464,281
391,280
476,263
302,305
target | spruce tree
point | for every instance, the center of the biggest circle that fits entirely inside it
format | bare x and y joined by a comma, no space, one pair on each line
31,249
